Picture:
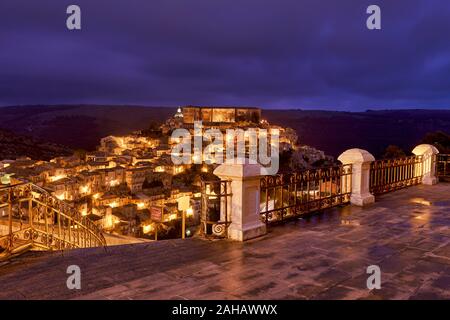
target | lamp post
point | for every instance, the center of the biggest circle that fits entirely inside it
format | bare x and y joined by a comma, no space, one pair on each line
183,224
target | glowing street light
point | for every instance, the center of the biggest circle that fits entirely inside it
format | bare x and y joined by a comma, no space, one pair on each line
147,228
114,204
141,205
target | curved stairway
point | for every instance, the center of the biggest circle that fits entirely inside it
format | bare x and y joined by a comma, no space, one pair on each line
32,219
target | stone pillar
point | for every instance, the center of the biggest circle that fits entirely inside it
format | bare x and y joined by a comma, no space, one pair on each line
428,165
245,188
360,161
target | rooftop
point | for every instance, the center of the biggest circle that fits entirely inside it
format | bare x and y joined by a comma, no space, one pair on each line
221,107
406,233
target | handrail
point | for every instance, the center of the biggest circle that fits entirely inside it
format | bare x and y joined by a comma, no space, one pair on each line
394,174
215,207
288,196
36,216
443,166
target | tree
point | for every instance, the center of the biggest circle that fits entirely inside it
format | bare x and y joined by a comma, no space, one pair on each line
291,134
152,184
439,139
153,130
80,154
393,151
285,159
298,161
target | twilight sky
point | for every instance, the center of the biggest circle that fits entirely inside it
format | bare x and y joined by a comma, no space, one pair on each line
309,54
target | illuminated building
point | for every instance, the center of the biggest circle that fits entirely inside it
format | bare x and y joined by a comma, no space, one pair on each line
135,178
211,115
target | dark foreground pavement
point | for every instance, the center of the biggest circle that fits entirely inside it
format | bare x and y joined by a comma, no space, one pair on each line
405,233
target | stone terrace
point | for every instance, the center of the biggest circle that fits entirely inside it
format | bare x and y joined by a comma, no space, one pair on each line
406,233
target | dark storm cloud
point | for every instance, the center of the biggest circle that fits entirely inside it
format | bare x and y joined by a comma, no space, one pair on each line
273,53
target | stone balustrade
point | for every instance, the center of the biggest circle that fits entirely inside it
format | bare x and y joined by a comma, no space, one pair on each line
245,187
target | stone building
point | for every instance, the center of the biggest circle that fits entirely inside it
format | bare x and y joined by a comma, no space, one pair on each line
210,115
135,178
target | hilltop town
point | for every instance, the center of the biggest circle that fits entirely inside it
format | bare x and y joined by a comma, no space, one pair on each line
118,184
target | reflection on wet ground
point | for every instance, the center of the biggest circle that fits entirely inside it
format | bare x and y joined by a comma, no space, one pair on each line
405,233
442,203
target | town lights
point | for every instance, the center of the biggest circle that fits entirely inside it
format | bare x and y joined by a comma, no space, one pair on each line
274,132
147,228
114,204
210,193
176,140
109,221
84,189
61,197
178,169
189,212
57,177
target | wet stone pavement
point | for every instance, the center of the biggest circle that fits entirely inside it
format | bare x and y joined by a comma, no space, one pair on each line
406,233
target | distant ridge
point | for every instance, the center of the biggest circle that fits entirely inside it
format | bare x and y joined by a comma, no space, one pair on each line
82,126
13,146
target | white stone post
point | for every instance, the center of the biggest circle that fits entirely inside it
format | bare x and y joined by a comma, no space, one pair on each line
360,161
428,165
245,188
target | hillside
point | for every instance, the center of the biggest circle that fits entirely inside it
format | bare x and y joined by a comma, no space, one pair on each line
78,126
331,131
13,146
334,132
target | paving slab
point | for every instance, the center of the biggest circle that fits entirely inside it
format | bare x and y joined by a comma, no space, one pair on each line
406,233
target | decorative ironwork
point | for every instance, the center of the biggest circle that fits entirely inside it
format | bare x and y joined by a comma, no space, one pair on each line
291,195
443,166
215,208
394,174
30,217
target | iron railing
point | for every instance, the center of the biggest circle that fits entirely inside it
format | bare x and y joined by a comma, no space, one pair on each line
394,174
31,218
443,166
215,208
287,196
